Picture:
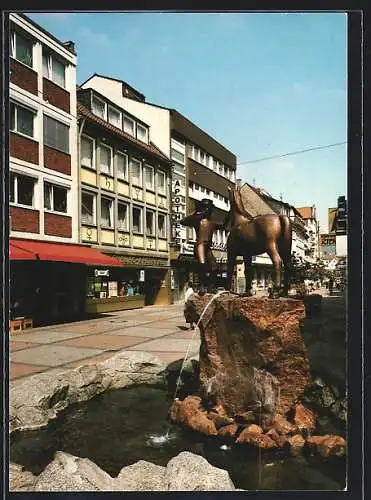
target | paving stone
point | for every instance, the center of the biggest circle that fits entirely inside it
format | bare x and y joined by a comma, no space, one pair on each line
53,355
104,341
17,346
89,361
167,344
186,334
154,331
169,357
18,370
45,337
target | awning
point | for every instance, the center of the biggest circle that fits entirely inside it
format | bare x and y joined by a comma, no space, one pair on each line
59,252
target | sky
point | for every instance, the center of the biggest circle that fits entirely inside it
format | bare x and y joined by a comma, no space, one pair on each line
261,84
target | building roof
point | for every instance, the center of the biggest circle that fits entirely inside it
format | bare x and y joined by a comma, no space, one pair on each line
306,212
67,45
141,96
150,148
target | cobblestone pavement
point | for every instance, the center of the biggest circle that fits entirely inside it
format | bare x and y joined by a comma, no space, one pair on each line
160,330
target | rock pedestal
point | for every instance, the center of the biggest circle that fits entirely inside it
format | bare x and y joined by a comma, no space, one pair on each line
253,369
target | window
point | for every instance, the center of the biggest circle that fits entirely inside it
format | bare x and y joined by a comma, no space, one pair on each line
87,152
190,150
161,225
161,182
137,220
114,117
215,164
176,155
88,201
136,172
21,189
56,134
105,159
21,48
54,69
150,223
149,177
106,212
99,107
122,166
202,157
21,120
55,198
129,125
142,133
122,216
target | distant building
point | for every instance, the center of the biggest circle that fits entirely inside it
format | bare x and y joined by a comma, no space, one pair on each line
332,220
309,215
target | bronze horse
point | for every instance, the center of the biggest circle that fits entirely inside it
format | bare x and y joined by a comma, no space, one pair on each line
249,236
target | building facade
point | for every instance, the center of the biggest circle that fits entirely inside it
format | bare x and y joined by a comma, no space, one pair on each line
201,168
48,271
124,199
309,215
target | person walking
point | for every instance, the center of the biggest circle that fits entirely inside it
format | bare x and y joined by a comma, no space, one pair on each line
188,293
330,285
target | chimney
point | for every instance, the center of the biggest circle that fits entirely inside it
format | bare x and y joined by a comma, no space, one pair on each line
70,46
238,182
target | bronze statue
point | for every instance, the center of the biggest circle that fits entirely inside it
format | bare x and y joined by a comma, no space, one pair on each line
250,236
200,220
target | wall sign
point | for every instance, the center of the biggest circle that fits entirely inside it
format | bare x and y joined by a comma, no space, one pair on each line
178,231
101,272
142,275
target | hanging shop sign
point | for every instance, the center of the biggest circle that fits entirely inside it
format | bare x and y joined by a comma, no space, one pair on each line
142,275
178,231
186,248
172,282
101,272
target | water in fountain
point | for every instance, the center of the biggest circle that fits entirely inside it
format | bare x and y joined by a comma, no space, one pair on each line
163,439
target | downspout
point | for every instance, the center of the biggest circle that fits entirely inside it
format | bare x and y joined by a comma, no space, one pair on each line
81,127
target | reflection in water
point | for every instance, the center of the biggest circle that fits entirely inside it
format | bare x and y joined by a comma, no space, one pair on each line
120,427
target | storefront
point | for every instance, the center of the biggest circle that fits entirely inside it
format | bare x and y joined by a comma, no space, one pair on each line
48,280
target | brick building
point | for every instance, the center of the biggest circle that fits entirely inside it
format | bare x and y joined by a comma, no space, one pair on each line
48,268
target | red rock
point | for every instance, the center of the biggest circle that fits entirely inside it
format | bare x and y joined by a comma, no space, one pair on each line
228,430
254,428
189,412
279,440
283,426
239,334
328,445
304,418
256,438
296,443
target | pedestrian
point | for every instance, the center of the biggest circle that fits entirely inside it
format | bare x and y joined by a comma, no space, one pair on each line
187,294
330,285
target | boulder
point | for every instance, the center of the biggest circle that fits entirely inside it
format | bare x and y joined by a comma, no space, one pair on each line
328,445
20,479
296,443
141,476
189,412
304,418
69,473
254,436
38,399
190,472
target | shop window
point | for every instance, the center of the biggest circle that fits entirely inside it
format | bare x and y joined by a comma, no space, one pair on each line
105,159
87,152
55,198
129,125
54,69
122,166
99,107
106,212
123,216
150,223
21,48
161,182
88,213
142,133
149,177
161,225
114,117
56,134
21,120
21,189
137,220
136,172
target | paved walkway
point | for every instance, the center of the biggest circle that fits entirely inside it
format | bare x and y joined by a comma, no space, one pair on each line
158,330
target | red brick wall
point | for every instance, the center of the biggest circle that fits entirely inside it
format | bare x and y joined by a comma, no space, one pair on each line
23,219
57,160
23,77
23,148
57,225
56,95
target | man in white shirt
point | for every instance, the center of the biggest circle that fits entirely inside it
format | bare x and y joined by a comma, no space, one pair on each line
187,294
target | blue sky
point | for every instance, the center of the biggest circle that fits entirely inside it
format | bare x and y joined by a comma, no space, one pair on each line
260,83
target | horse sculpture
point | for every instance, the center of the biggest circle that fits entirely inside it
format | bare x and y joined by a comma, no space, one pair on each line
249,236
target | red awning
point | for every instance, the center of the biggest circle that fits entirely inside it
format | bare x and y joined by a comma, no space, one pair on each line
59,252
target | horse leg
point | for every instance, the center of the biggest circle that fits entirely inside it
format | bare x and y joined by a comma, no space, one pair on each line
230,268
247,260
287,274
276,260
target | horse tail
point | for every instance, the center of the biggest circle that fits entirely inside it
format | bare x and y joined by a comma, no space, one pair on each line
285,241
